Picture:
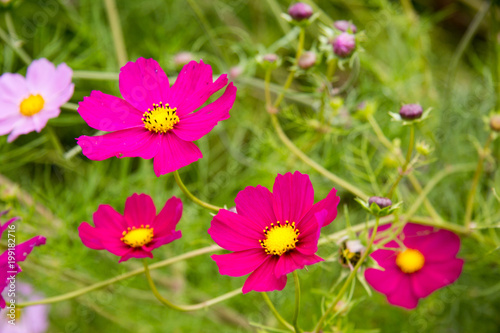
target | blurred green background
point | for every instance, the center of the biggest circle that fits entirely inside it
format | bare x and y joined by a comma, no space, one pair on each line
403,60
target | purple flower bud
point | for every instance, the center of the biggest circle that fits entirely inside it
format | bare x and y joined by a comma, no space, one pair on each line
235,72
411,111
380,201
307,60
182,58
345,26
344,44
300,11
495,122
271,57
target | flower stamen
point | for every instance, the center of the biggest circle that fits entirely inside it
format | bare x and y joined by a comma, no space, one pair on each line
160,119
280,238
31,105
410,261
136,237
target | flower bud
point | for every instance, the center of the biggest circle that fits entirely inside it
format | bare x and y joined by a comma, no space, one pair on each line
495,122
345,26
344,44
270,57
235,72
380,201
300,11
411,111
182,58
307,60
423,148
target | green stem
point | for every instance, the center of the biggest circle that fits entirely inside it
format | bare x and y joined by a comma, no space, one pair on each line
93,75
70,106
406,163
289,79
102,284
116,32
297,302
327,313
267,90
276,313
13,44
191,196
330,70
327,174
408,9
186,308
475,181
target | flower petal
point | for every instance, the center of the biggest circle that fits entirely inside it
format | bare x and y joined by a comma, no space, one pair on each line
403,294
192,78
293,196
195,125
157,242
234,232
13,88
23,125
241,262
435,244
139,210
164,224
256,203
436,275
109,221
202,94
132,142
9,110
330,204
135,253
25,248
144,83
174,154
108,113
8,124
309,233
89,236
292,260
386,281
264,279
385,258
43,78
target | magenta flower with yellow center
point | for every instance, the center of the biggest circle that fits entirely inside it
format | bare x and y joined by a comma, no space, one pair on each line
154,119
272,234
27,103
135,233
426,262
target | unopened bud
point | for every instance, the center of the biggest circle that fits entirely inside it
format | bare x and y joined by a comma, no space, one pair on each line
235,72
307,60
411,111
270,57
344,44
380,201
345,26
495,122
182,58
300,11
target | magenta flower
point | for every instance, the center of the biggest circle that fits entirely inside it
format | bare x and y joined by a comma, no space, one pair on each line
155,120
135,233
344,44
272,234
26,104
9,260
428,262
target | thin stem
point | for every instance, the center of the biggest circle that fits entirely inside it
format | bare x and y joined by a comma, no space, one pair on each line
70,106
289,79
351,276
475,181
93,75
186,308
327,174
406,163
116,32
14,45
408,9
330,70
297,302
267,90
276,313
102,284
191,196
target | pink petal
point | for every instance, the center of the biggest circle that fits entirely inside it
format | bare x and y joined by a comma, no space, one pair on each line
108,221
234,232
256,203
439,245
329,203
292,260
193,126
293,196
436,275
54,84
264,279
5,226
9,110
144,83
13,88
132,142
8,124
89,236
25,248
135,253
240,263
24,125
385,258
309,234
165,223
157,242
174,154
139,210
403,294
386,281
201,95
109,113
40,119
192,78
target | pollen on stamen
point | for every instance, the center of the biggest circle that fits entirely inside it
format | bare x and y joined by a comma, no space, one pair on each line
164,118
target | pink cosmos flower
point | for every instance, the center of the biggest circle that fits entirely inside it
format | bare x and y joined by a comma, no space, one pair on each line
272,234
428,262
135,233
26,104
155,120
9,260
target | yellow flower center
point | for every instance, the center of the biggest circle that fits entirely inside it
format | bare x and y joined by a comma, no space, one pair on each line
161,119
31,105
137,237
280,238
410,260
